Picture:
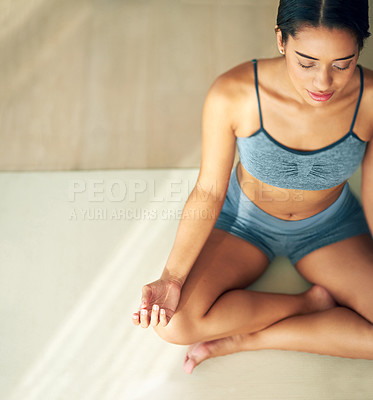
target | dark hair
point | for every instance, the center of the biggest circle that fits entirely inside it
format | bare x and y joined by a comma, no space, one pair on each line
341,14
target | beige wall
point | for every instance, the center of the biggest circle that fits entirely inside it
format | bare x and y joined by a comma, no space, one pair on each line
97,84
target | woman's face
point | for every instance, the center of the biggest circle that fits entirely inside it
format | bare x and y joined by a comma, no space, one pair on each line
320,63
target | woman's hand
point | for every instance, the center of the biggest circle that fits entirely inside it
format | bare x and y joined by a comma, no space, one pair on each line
158,304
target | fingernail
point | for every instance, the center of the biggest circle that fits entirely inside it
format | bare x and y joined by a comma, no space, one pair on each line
143,312
134,316
155,307
163,311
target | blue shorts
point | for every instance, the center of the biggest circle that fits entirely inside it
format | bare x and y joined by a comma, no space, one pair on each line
294,239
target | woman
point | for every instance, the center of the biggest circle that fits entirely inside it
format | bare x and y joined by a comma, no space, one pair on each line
303,124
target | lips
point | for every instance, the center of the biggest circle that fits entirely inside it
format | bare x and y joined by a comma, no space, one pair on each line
320,96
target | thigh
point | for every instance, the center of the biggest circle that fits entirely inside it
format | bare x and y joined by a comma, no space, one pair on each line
226,262
345,269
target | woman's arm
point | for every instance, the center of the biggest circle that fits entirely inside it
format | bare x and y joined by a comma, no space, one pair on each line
367,185
160,298
207,197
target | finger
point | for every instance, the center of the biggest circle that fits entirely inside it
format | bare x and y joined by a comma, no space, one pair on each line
136,319
146,294
163,318
154,319
144,318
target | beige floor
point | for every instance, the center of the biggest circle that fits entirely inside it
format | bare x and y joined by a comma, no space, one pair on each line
75,250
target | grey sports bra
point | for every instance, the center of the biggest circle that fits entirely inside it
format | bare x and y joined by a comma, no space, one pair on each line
275,164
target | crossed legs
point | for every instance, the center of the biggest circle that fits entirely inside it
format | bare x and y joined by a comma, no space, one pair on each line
345,269
218,317
214,304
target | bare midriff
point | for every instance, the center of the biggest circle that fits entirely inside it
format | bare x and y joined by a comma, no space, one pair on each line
286,204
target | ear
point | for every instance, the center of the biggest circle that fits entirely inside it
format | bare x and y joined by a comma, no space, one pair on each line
280,44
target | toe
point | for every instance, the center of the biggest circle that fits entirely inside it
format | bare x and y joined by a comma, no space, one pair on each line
197,353
189,365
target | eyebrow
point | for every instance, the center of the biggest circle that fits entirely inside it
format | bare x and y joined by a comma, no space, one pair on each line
312,58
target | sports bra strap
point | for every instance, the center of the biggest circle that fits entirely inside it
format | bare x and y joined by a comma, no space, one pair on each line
357,106
360,96
257,91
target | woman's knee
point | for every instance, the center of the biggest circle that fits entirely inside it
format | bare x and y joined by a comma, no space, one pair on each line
181,330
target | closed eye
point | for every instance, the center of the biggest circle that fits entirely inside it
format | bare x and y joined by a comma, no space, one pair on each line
305,66
335,66
342,69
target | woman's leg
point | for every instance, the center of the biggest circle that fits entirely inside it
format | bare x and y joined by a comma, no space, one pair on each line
214,303
345,269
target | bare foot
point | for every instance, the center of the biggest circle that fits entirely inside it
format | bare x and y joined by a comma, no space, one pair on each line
318,299
202,351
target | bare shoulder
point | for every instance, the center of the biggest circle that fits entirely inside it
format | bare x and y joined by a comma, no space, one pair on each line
368,82
219,118
368,73
224,97
367,100
234,82
236,88
240,81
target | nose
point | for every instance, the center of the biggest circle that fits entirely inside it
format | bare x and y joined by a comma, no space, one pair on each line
323,80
